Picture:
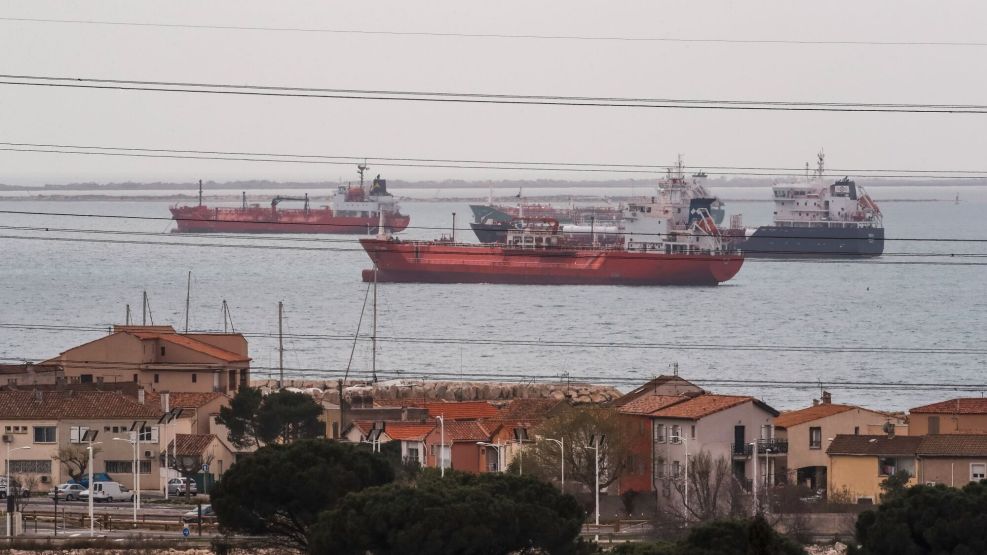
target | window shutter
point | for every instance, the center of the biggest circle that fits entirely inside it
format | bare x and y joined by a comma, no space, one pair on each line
74,434
154,434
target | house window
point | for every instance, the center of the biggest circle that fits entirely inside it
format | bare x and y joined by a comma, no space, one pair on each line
659,433
660,467
676,434
157,378
15,429
30,467
76,433
127,467
44,434
162,351
413,454
335,430
149,434
856,430
135,378
676,469
765,431
193,378
86,378
815,437
693,435
978,471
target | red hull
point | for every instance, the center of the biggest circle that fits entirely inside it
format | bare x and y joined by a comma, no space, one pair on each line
202,219
430,262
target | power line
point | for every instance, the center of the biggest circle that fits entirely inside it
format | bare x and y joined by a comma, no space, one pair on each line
591,38
494,376
822,349
362,227
485,98
479,164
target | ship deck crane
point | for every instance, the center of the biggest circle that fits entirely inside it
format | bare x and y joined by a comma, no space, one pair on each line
279,199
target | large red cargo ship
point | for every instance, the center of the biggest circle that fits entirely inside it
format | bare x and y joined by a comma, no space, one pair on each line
654,252
352,210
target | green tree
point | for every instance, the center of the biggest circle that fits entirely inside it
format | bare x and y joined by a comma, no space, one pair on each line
927,519
280,417
895,485
281,489
722,537
578,426
286,416
461,514
240,417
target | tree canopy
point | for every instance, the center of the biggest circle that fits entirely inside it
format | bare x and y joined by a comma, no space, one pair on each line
458,514
281,489
722,537
926,519
578,426
280,417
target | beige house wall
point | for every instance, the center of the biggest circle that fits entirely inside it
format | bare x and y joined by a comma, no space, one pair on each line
950,471
118,355
855,421
859,476
949,423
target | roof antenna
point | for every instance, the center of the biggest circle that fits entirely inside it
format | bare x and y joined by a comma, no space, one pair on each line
675,368
227,317
146,311
188,298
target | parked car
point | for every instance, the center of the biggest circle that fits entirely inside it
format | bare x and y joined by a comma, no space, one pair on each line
176,486
68,492
107,491
208,514
16,488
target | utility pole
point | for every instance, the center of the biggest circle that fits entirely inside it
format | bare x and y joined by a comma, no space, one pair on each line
280,344
128,315
373,335
188,289
754,478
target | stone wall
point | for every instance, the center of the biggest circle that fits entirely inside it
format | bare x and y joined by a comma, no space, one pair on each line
578,393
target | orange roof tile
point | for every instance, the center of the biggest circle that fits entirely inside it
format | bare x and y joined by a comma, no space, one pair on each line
191,445
466,410
705,405
962,405
525,409
464,430
185,400
56,405
408,431
647,404
204,348
808,414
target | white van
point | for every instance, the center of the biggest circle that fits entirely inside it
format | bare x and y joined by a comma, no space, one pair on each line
108,491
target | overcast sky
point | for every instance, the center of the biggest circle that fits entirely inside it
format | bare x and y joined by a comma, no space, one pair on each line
921,74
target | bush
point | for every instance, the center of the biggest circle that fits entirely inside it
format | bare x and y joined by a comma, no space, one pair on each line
722,537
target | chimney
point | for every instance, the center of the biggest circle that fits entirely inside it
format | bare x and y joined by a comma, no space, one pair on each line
140,395
165,401
38,395
815,402
827,397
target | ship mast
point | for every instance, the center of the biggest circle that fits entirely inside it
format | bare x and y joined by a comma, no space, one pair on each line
820,163
360,168
373,334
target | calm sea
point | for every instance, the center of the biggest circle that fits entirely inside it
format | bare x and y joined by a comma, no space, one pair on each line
777,321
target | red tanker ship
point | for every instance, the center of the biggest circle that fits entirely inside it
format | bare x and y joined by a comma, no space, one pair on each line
352,210
655,251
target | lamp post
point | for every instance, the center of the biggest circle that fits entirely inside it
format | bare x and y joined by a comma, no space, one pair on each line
89,437
442,446
10,488
138,429
597,440
497,446
168,421
561,444
134,445
754,478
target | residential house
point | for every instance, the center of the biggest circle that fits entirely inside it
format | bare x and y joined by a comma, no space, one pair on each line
44,427
672,386
202,457
859,463
28,374
677,426
463,439
952,459
963,415
197,408
413,436
462,410
808,430
161,359
515,424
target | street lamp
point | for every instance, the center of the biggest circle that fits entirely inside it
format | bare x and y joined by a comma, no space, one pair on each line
754,478
10,489
89,437
135,476
138,428
496,446
561,443
596,441
168,418
442,446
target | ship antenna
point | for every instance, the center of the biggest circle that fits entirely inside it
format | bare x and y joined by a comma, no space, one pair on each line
360,168
820,163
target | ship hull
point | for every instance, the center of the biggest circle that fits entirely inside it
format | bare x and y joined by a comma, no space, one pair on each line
427,262
814,242
201,219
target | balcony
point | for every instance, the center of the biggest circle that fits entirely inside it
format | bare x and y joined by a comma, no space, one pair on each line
765,447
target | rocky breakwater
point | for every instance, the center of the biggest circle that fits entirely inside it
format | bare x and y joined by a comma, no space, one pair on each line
397,390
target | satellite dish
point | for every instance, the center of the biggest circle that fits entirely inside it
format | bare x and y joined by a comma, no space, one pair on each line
889,428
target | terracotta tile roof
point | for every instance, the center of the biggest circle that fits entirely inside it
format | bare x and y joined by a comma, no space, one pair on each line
962,405
808,414
647,404
954,445
408,431
399,403
464,430
26,367
652,385
844,444
466,410
526,409
191,445
56,405
707,404
185,400
204,348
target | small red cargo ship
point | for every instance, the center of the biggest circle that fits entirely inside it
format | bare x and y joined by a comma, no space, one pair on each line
655,251
353,210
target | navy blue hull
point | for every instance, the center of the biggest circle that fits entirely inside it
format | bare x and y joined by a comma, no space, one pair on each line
780,242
